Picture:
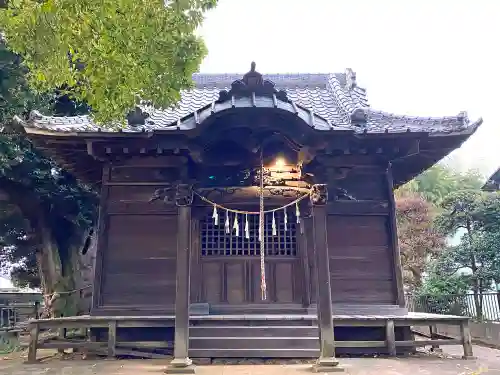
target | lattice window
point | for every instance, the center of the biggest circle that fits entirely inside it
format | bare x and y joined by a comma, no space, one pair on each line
216,242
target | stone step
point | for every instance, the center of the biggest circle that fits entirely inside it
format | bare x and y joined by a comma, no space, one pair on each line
302,343
253,320
253,331
253,353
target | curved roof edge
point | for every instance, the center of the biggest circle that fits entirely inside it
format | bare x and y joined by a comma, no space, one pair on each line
389,123
334,98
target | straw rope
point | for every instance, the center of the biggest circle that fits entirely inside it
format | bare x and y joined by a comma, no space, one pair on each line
262,237
217,205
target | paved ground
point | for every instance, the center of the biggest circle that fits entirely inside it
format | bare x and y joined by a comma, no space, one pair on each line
488,362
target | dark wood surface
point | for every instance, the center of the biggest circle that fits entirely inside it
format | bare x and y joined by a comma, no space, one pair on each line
270,336
141,237
138,262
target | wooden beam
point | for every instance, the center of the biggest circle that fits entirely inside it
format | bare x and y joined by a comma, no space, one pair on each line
152,161
351,160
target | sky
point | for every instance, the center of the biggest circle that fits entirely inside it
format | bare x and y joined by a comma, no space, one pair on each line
416,57
5,283
425,58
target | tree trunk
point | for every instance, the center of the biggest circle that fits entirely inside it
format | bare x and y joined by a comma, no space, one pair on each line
65,273
65,280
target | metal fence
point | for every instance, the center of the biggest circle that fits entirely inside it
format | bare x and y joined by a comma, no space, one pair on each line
17,307
14,313
484,306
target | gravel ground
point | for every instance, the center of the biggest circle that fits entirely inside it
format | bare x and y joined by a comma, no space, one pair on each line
448,363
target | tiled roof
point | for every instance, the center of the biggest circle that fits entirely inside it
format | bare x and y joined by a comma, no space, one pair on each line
336,99
493,182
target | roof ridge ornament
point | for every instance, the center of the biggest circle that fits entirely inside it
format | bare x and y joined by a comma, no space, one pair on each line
137,117
252,83
350,79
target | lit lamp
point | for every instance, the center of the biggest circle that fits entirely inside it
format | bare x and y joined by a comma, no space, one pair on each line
280,163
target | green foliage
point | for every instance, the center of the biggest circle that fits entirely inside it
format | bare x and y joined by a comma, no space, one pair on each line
419,242
8,343
477,214
443,290
439,181
110,54
459,211
471,265
38,190
33,189
15,96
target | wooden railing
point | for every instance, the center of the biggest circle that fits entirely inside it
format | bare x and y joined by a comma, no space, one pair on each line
113,347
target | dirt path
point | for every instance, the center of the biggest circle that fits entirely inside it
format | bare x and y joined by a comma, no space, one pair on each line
449,363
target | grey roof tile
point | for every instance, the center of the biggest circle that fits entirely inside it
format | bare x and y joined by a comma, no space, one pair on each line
335,98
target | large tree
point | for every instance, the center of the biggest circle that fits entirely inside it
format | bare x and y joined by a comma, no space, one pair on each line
419,242
46,216
477,215
110,54
438,181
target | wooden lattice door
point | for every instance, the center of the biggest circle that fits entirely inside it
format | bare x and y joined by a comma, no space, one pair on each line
230,264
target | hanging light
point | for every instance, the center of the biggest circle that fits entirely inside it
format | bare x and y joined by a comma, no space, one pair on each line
280,163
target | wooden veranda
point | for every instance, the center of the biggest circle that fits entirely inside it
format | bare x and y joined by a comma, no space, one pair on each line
214,336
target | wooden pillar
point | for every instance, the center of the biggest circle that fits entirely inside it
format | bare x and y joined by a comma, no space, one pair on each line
182,364
102,234
390,337
434,336
466,340
396,256
326,361
306,267
34,330
112,339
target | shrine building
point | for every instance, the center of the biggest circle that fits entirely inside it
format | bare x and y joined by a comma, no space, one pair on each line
256,218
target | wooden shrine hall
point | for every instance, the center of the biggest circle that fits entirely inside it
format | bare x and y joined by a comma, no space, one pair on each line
254,219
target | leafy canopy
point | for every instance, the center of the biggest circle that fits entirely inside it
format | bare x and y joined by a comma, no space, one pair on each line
110,54
419,242
34,192
439,181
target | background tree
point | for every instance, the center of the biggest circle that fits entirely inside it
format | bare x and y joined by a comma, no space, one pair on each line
443,291
477,214
109,54
419,242
417,204
438,181
46,216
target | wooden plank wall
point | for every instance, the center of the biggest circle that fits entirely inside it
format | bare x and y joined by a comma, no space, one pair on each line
139,264
137,253
359,241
